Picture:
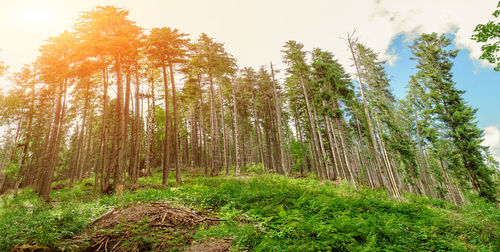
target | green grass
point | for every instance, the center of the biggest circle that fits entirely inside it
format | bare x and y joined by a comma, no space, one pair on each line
271,213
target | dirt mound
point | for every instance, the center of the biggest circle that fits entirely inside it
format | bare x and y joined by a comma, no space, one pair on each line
211,245
146,226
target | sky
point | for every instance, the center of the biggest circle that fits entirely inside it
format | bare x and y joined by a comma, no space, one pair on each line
254,31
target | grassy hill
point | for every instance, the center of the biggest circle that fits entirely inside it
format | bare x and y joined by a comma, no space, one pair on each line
257,212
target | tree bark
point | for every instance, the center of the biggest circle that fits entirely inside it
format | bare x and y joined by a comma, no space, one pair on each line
175,138
166,154
280,133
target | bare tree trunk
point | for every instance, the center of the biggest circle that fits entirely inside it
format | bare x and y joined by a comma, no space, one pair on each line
316,142
257,130
175,138
166,154
126,114
52,150
134,153
280,133
203,137
332,144
101,166
87,151
270,156
236,135
213,130
120,132
299,133
223,123
149,136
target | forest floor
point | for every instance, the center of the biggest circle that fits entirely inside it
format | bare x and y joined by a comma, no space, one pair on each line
258,213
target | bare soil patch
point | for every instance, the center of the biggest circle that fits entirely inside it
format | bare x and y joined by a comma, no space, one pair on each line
211,245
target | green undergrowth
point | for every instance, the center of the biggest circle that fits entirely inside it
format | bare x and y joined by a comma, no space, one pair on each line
269,213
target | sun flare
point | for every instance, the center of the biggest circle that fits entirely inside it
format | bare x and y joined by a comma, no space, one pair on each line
35,15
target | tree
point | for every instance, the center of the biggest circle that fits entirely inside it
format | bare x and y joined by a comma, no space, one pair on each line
214,62
434,64
56,71
107,34
489,34
334,91
168,47
295,59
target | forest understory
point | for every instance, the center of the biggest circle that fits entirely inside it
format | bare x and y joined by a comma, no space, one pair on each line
257,212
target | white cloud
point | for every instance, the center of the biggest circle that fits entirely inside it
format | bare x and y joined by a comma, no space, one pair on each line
390,57
492,140
444,16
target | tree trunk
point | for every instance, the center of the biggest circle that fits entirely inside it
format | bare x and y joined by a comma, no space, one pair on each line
223,123
280,133
236,134
175,138
52,150
257,130
120,132
166,154
101,166
213,130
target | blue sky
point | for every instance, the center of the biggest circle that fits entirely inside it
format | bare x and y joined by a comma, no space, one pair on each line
480,83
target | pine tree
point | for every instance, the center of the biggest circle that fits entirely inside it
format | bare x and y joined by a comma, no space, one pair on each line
434,64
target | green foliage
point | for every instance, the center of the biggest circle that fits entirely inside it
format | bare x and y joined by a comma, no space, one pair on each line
27,220
305,215
253,168
268,213
464,155
11,168
489,35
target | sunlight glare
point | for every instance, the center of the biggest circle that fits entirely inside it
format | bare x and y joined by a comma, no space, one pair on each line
36,16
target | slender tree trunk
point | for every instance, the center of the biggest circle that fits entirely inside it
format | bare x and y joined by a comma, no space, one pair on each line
134,153
315,141
149,136
85,162
175,138
153,113
52,150
332,144
126,114
299,133
257,130
236,133
213,129
166,154
280,133
270,156
223,123
102,167
203,137
120,132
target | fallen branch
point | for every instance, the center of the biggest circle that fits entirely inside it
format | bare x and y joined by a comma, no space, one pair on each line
104,215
